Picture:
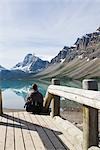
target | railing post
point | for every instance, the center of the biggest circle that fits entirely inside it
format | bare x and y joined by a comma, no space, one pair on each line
90,119
1,110
55,100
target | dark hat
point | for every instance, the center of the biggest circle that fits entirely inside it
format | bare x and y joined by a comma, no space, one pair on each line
35,87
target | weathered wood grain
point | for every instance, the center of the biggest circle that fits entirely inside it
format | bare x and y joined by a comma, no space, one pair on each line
86,97
26,133
53,138
41,131
74,136
94,148
3,132
19,141
1,110
9,145
34,133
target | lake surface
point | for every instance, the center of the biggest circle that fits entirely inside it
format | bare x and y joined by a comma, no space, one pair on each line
14,92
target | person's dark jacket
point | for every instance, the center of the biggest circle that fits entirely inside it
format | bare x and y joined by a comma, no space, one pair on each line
36,98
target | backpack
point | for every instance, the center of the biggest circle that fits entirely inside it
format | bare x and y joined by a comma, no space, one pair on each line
36,103
31,107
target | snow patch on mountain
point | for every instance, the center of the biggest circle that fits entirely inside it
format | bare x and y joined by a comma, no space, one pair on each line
2,68
31,63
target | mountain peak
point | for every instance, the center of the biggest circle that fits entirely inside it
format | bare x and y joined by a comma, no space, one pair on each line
31,63
98,29
29,58
2,68
84,47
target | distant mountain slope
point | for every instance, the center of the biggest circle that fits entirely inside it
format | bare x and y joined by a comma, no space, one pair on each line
76,69
79,61
61,55
82,60
12,74
88,46
2,68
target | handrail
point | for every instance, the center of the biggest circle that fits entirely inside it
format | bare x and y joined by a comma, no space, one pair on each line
86,97
1,110
89,97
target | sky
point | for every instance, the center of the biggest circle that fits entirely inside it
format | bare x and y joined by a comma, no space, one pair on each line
43,27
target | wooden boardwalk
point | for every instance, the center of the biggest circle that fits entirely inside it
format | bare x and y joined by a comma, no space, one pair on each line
26,131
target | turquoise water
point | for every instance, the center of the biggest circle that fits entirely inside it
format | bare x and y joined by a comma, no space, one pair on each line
14,92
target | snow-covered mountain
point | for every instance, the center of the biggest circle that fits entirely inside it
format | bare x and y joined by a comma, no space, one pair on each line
82,60
31,64
2,68
61,55
86,49
87,46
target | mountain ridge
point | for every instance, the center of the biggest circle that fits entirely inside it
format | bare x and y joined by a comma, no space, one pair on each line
73,62
82,60
30,65
84,47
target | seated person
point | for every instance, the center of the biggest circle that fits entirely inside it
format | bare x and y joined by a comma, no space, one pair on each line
34,101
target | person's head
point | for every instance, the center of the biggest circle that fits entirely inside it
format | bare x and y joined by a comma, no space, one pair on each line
35,87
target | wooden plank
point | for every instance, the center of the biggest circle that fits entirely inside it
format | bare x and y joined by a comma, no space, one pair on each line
55,100
86,97
3,129
19,143
71,132
10,133
26,133
57,130
94,148
44,138
51,133
47,100
90,118
38,144
73,136
1,109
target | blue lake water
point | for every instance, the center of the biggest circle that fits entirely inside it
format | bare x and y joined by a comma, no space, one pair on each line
14,92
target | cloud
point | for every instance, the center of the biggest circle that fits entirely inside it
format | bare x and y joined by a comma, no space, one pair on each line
44,26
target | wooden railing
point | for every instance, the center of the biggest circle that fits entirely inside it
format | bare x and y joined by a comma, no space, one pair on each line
1,110
89,97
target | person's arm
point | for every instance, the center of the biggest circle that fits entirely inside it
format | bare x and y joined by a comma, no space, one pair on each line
29,99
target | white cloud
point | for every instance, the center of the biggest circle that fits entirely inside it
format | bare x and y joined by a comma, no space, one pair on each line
43,26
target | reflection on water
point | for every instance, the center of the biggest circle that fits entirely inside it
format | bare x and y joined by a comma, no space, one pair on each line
11,100
14,93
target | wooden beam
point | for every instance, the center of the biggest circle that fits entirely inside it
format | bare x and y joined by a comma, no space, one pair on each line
90,119
55,100
1,109
94,148
47,101
86,97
